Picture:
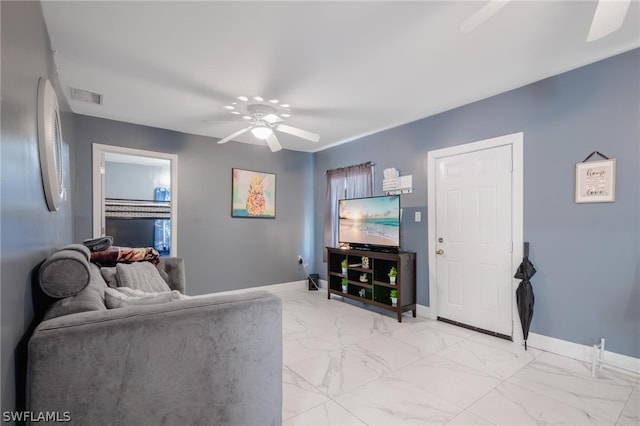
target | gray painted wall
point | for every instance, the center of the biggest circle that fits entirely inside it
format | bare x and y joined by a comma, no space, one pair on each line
221,252
29,232
134,181
587,255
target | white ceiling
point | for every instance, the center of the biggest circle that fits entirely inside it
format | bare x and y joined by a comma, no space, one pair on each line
347,69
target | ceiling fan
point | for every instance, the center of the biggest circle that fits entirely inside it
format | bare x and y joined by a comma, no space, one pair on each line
263,121
607,19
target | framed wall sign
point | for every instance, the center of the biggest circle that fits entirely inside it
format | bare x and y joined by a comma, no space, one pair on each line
596,181
253,194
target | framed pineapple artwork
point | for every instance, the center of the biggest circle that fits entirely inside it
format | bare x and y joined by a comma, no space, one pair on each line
253,194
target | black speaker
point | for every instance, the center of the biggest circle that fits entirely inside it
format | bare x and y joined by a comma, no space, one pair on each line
314,281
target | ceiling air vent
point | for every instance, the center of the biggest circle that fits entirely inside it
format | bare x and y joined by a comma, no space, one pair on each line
85,96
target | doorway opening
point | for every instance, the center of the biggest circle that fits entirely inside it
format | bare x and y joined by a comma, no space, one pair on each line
135,197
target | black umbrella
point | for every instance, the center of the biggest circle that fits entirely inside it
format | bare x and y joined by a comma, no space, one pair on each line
524,293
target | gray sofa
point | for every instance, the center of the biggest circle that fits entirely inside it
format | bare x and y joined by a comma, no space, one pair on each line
207,360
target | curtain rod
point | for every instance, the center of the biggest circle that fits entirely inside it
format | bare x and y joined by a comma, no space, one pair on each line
339,169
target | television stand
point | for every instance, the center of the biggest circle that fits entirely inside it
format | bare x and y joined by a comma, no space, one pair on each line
379,249
370,284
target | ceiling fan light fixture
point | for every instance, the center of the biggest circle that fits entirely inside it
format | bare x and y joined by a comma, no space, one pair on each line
243,98
261,132
258,98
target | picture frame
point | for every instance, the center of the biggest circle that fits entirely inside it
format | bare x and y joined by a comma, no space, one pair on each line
253,194
596,181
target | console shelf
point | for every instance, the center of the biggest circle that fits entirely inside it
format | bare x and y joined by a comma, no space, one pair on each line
371,285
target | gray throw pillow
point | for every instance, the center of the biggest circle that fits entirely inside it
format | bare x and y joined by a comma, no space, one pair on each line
116,298
110,275
141,276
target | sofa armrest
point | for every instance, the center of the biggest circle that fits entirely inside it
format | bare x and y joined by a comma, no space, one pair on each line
173,267
205,360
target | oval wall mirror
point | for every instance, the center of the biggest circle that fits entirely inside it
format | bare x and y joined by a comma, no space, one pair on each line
50,144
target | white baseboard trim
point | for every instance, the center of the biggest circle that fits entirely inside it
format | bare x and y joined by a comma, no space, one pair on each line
275,287
581,352
324,285
423,311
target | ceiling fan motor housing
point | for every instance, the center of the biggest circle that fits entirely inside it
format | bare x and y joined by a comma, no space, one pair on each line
260,110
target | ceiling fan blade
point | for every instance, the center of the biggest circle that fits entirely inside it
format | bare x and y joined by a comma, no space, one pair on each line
233,135
273,143
272,118
482,15
304,134
608,18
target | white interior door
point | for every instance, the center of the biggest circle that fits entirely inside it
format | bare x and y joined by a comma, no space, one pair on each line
474,238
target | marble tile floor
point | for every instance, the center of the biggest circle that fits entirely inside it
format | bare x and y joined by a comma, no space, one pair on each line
349,365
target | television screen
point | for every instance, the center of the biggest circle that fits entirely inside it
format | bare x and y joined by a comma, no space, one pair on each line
371,221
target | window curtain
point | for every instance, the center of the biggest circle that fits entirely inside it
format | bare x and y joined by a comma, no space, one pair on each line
359,181
347,182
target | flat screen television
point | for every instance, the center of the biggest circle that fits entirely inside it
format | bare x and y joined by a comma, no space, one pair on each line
370,223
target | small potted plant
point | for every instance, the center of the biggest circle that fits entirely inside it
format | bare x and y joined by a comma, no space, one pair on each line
394,297
344,265
344,285
393,273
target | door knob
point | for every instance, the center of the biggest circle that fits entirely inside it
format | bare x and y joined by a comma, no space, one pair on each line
439,251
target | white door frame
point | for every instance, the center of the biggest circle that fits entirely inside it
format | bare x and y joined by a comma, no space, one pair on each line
517,185
99,187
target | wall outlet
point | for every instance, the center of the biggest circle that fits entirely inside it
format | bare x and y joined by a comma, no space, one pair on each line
418,216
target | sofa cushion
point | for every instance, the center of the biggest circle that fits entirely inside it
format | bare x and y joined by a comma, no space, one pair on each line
89,299
110,275
66,272
172,271
123,297
141,276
